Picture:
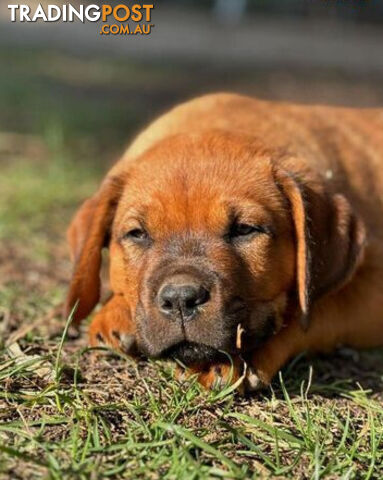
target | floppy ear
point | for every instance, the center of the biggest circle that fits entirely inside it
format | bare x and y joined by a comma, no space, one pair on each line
87,235
330,239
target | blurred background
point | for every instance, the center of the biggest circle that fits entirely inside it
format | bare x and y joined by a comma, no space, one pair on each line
71,99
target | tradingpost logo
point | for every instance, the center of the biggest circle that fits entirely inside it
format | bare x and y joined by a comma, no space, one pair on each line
120,19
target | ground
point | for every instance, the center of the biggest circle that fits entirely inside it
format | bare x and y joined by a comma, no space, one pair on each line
65,414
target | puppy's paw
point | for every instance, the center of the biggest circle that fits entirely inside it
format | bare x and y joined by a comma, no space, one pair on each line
252,381
221,375
112,326
216,376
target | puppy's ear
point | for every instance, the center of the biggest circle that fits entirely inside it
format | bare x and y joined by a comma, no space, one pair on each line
87,235
330,239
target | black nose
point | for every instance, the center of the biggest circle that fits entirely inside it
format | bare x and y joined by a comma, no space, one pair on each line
182,299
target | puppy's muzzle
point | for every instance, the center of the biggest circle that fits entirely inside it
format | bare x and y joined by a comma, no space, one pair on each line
181,298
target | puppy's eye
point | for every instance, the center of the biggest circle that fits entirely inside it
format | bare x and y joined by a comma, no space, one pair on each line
137,235
239,230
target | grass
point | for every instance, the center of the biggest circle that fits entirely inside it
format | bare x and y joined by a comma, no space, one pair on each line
65,414
140,423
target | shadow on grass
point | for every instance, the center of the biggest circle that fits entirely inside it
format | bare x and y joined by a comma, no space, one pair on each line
335,374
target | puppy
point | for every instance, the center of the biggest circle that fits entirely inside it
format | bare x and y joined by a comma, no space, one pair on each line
241,226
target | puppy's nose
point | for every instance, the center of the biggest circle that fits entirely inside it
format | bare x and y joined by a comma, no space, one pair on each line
184,299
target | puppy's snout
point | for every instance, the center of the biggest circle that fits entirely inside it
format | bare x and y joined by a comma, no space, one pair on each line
182,299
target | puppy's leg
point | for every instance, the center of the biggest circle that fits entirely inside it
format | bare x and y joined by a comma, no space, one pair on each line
327,330
270,358
352,318
113,326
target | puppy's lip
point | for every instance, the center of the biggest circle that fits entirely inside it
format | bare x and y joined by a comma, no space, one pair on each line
192,353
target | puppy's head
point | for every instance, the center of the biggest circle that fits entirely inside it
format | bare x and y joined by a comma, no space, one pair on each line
209,231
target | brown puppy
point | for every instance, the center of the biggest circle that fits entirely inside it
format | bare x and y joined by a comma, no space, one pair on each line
228,212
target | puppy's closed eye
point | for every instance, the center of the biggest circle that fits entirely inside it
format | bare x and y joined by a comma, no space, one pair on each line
245,231
138,236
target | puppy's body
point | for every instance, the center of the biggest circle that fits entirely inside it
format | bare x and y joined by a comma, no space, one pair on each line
331,158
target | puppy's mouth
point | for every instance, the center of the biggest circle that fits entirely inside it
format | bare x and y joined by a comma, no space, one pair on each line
191,353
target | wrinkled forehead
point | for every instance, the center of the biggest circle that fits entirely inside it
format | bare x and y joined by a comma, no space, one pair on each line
199,191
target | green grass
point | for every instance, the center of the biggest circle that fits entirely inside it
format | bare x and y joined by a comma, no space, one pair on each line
65,414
